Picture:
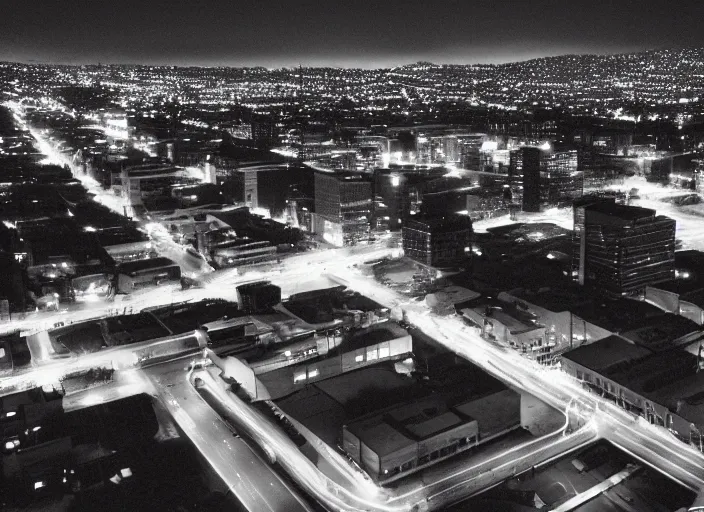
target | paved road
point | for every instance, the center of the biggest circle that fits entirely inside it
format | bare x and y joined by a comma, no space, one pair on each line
653,445
428,491
253,481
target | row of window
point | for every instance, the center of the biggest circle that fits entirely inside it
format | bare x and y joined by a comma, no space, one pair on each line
437,454
373,353
305,374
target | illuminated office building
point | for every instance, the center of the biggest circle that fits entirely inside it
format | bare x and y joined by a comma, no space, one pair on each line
438,241
622,249
540,177
343,207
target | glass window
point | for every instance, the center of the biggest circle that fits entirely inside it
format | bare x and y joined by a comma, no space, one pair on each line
384,352
313,373
299,376
359,358
372,354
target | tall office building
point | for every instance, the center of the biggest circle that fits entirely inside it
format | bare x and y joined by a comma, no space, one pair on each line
622,249
438,241
543,177
524,177
343,206
469,148
560,179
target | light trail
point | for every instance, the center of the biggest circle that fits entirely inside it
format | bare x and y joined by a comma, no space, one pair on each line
250,479
294,462
552,386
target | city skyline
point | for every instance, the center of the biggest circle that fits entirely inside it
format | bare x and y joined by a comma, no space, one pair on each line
362,34
362,256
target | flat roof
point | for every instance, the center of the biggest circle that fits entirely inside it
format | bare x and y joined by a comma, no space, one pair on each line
606,353
188,316
434,425
494,410
444,224
513,323
385,439
654,372
459,294
135,266
619,210
685,397
662,332
120,235
616,315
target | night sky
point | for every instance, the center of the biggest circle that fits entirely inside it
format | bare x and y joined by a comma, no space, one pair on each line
352,33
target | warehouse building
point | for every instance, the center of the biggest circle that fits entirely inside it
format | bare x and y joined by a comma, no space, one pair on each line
666,388
409,437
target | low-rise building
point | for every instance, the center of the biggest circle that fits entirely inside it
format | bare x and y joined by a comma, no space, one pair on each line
572,318
506,325
377,344
663,387
405,438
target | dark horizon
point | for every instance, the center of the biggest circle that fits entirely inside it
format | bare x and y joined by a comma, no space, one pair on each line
362,34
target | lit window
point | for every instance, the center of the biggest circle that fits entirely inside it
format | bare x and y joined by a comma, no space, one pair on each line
313,373
384,352
2,352
299,377
359,358
372,354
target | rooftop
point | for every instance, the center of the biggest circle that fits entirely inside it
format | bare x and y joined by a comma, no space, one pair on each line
617,315
662,332
685,397
655,372
439,224
606,353
492,410
188,316
149,263
385,439
630,213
